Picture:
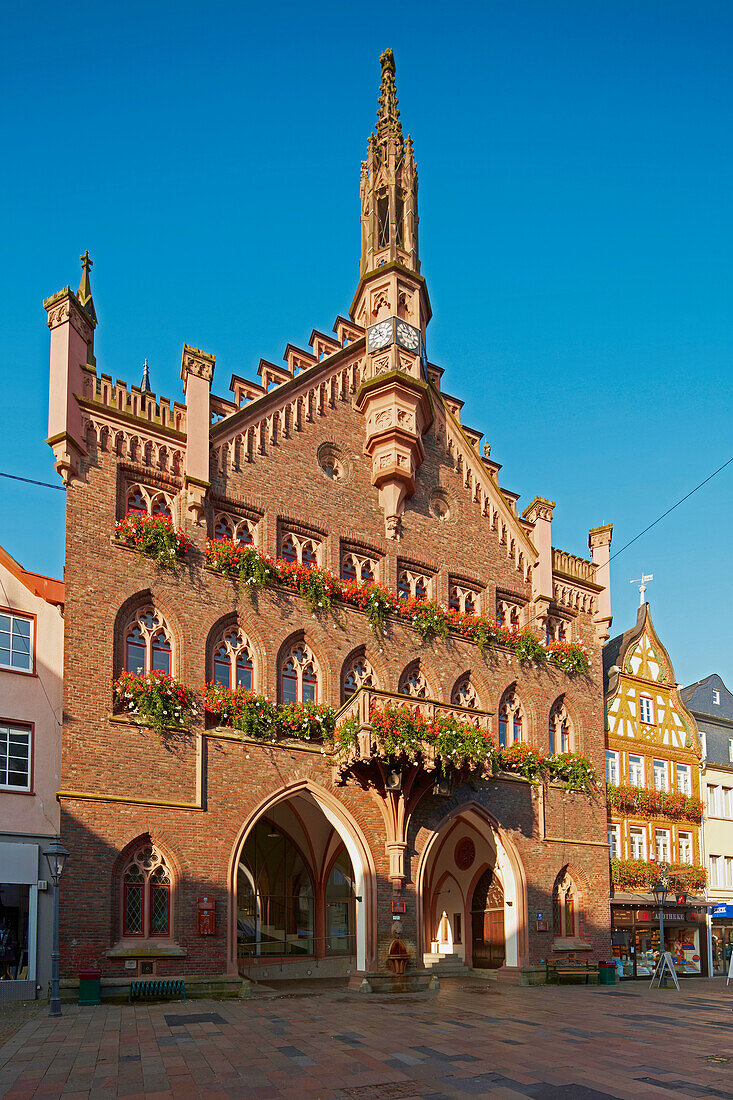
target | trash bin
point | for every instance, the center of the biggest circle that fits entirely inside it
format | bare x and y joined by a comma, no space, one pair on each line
606,973
90,986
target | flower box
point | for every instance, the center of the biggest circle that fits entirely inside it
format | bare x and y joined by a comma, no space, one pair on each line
154,536
156,699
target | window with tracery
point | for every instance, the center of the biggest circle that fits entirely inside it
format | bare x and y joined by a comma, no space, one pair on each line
236,528
465,600
556,630
565,906
413,683
412,583
358,567
233,660
358,674
560,729
141,498
299,548
146,894
511,719
508,614
465,694
148,643
299,675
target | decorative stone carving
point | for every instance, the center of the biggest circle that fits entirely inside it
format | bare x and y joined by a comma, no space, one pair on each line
197,362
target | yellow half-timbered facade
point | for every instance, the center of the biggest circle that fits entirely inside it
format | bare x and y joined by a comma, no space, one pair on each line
653,757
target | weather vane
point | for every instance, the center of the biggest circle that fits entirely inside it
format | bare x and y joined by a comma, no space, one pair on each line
641,581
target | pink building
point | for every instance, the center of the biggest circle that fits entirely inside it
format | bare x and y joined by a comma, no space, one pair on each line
31,672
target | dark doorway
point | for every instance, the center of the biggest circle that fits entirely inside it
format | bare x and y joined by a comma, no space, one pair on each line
487,922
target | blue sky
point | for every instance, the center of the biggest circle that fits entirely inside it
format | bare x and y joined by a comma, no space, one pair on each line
576,226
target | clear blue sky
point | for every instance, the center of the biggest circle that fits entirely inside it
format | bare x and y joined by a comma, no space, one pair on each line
576,173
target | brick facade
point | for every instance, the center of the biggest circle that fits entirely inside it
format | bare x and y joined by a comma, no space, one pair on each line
196,794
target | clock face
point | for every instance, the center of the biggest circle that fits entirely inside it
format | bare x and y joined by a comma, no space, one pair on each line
407,336
380,335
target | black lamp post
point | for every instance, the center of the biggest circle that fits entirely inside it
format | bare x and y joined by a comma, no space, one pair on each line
56,856
660,890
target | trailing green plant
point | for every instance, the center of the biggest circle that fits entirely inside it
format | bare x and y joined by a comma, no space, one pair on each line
654,803
640,874
158,699
255,716
574,770
323,590
523,759
154,536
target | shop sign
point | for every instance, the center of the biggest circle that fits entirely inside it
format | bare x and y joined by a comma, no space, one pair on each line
723,910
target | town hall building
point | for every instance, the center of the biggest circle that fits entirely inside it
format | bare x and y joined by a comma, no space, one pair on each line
380,684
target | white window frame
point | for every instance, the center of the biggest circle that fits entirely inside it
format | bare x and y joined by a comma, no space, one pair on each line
637,832
643,700
714,800
660,773
716,697
20,732
642,769
614,841
730,749
727,871
714,867
665,837
612,759
19,650
684,845
685,771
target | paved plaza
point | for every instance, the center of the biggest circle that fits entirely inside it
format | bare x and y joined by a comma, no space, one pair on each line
471,1039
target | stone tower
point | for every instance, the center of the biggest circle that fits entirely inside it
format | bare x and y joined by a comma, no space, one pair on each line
392,304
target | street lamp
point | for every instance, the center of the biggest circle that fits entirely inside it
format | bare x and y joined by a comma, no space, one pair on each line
56,856
660,890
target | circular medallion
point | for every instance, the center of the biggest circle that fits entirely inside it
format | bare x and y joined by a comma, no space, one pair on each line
465,853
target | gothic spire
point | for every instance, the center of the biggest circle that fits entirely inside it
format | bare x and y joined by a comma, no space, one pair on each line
388,115
84,293
145,384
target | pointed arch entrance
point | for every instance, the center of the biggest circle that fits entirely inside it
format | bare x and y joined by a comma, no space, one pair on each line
302,883
473,892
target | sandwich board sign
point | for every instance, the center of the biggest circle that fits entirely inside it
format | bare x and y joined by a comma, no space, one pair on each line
664,966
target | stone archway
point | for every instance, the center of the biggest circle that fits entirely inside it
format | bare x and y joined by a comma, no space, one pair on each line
466,845
319,826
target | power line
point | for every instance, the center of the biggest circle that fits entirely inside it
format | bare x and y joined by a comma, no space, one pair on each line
32,481
680,501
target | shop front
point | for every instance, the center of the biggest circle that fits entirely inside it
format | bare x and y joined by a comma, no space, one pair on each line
635,938
721,922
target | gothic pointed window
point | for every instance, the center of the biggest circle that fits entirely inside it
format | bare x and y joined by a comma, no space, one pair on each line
146,894
148,643
141,499
233,661
399,219
560,733
358,674
382,221
565,906
511,719
235,528
464,694
299,675
413,683
299,548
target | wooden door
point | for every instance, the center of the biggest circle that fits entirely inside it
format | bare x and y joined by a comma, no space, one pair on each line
487,923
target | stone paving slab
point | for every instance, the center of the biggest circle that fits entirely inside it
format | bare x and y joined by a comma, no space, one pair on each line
550,1043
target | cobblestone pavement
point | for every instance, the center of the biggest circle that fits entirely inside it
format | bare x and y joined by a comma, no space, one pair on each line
472,1039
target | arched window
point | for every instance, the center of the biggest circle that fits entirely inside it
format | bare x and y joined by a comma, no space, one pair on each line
357,674
340,907
230,527
565,906
275,895
560,729
507,614
464,694
556,630
410,583
511,719
299,675
233,661
413,683
140,499
146,894
463,599
299,548
355,567
148,643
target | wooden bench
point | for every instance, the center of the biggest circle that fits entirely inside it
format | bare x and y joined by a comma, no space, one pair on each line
156,989
558,969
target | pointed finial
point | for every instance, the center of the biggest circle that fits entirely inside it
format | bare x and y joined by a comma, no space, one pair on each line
388,116
145,384
84,293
